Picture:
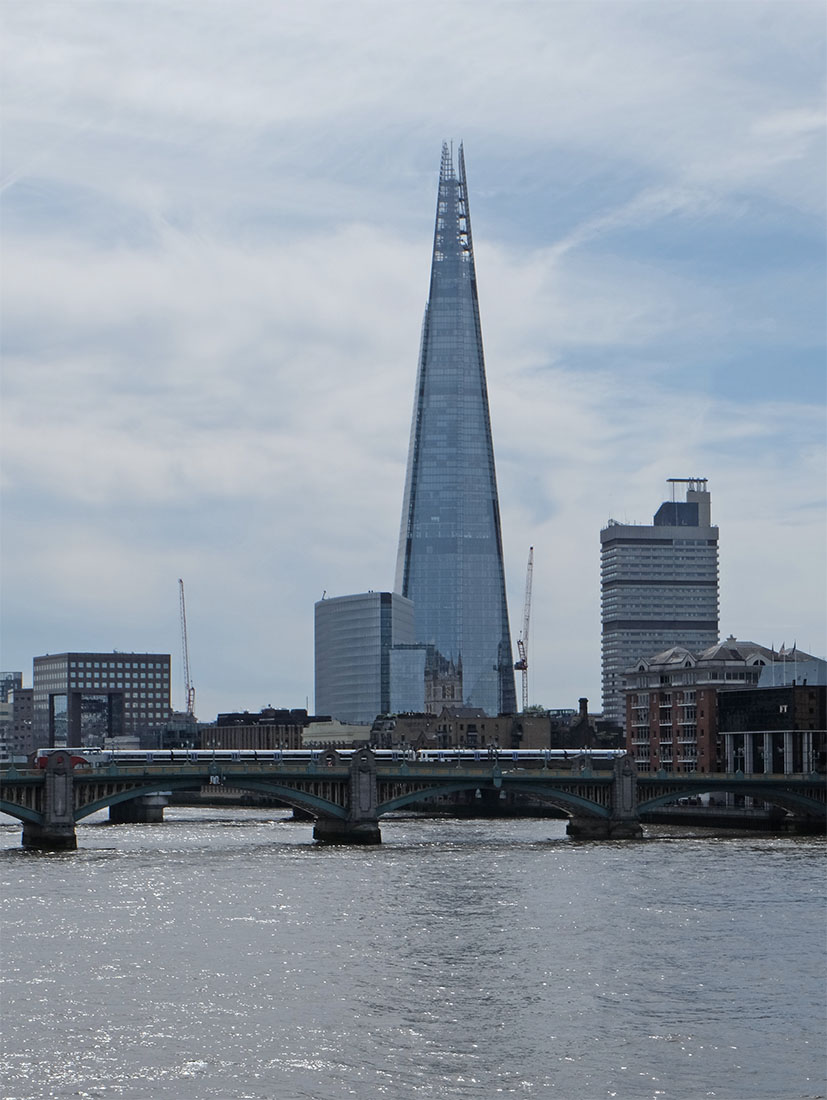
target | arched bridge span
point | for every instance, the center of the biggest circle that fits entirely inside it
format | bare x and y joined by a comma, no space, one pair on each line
349,797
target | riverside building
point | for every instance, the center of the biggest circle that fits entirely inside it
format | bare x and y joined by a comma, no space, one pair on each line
658,587
689,711
84,698
450,558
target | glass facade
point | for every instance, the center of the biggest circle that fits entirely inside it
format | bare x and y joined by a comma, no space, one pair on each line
9,682
450,561
353,640
408,663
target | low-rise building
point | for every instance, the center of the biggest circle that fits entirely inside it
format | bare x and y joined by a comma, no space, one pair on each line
470,727
672,701
330,733
270,729
777,728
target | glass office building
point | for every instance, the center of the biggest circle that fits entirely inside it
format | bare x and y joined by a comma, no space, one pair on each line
658,588
450,561
408,664
354,636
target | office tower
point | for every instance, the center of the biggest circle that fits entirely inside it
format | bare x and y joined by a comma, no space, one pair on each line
659,587
21,736
450,561
9,682
82,698
354,636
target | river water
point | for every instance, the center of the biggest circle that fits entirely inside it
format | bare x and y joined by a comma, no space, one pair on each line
224,956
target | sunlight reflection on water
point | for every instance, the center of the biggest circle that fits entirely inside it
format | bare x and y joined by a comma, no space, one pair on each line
222,955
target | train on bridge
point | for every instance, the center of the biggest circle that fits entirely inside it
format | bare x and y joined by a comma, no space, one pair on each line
348,791
88,757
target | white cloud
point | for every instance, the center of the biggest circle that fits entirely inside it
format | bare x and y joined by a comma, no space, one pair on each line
216,235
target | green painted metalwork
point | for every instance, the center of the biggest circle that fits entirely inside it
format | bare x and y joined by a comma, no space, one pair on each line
325,789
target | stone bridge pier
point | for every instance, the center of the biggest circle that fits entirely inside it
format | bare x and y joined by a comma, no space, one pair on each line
56,830
623,820
148,809
361,825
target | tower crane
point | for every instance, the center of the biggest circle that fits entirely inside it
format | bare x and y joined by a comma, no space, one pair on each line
190,690
522,642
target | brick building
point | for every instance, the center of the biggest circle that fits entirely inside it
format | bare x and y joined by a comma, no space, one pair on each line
672,701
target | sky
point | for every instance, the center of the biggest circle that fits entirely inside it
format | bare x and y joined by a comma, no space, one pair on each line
217,222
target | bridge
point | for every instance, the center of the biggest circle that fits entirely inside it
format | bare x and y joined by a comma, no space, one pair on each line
347,798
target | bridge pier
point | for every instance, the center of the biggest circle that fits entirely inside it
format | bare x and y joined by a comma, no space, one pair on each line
361,826
49,838
589,828
146,810
623,822
603,828
56,830
331,830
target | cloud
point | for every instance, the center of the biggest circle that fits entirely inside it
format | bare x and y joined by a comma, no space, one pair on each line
217,230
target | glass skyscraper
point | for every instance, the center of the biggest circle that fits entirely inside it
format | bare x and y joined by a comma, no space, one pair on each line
450,561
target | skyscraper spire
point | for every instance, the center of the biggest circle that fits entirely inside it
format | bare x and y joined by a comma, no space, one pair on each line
450,561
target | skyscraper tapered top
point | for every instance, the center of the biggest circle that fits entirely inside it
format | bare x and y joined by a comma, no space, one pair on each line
450,561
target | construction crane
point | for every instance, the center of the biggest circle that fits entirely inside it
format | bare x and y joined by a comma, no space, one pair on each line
190,705
522,642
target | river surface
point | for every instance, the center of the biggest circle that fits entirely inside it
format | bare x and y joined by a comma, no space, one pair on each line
224,956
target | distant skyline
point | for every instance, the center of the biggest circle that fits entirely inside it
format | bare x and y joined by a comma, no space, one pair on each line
216,229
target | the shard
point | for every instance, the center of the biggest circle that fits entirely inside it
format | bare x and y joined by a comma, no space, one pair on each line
450,561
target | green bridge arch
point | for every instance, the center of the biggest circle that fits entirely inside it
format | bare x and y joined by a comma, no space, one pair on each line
559,798
773,796
290,795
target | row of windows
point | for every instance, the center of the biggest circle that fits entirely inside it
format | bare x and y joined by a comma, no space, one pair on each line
120,677
60,666
118,664
656,558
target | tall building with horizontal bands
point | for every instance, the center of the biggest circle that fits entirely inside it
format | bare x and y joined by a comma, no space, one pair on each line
354,636
450,560
658,587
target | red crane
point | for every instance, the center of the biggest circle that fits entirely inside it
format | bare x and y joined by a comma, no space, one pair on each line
522,642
